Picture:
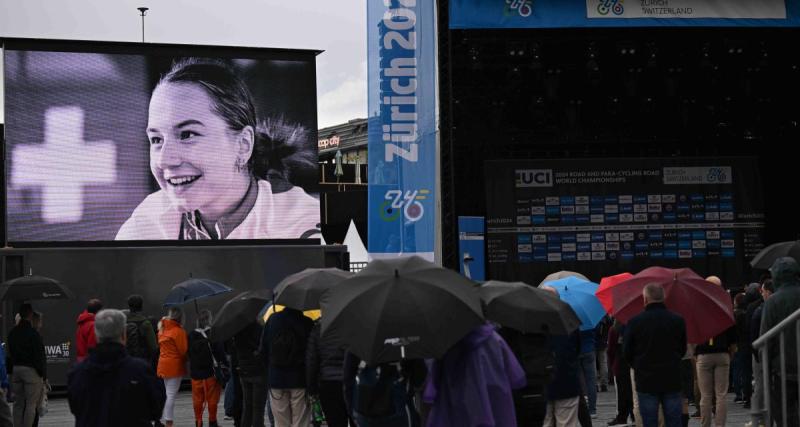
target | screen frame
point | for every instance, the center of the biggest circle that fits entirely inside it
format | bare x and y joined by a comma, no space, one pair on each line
147,49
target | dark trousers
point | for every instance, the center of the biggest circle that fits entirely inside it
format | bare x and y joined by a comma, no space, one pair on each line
747,375
584,417
531,411
331,397
254,399
624,395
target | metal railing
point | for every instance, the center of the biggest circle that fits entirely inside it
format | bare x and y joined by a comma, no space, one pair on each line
762,346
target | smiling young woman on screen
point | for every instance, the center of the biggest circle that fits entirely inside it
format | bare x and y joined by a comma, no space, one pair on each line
217,164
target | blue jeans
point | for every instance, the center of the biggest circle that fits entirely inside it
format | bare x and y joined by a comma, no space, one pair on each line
671,403
589,375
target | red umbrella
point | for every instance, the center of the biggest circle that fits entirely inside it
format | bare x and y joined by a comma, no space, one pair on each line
606,285
706,307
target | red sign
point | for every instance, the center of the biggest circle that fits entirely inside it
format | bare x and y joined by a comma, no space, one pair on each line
329,142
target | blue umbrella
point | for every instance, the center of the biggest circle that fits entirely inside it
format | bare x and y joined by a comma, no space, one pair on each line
192,290
579,294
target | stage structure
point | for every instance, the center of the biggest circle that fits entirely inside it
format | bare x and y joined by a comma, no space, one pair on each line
535,93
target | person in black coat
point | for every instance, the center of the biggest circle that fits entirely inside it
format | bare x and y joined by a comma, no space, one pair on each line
654,344
283,348
252,375
324,362
111,388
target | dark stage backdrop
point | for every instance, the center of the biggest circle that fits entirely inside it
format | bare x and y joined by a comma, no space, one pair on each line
77,153
112,274
606,216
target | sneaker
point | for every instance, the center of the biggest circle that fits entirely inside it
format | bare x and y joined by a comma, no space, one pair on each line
617,422
696,414
227,418
593,415
746,404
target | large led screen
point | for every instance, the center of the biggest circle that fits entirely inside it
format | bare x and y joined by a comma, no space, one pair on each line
127,142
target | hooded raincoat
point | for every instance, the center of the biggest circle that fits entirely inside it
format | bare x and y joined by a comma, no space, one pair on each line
472,385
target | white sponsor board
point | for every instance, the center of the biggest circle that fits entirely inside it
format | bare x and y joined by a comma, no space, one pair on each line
686,9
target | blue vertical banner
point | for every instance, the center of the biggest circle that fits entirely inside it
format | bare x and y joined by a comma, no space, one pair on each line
401,70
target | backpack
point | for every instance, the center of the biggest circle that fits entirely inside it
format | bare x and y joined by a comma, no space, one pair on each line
537,359
136,343
287,348
200,350
380,392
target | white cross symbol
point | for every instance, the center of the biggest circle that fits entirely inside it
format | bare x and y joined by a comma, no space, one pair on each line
63,165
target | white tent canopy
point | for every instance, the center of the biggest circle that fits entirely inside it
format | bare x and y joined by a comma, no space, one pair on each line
358,252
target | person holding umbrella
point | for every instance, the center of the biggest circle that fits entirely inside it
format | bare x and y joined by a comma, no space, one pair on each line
173,347
713,368
472,385
28,367
283,346
203,356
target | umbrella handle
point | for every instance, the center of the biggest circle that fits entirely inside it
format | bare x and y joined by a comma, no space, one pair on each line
402,352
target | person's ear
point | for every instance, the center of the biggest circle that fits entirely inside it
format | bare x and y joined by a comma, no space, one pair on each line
246,140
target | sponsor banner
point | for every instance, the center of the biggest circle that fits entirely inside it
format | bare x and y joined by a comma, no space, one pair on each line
58,353
687,9
475,14
603,216
402,127
472,253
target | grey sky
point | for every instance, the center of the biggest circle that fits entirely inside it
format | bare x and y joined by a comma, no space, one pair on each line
337,27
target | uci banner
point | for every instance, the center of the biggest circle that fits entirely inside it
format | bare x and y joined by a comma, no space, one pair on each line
402,127
474,14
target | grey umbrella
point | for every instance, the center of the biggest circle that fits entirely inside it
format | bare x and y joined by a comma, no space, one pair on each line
764,258
562,274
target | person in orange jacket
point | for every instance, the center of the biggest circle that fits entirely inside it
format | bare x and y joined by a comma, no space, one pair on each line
173,347
84,336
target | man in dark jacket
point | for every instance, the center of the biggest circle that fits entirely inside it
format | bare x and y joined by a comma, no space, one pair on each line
283,347
141,338
111,388
564,390
84,335
757,407
654,344
324,361
786,300
27,366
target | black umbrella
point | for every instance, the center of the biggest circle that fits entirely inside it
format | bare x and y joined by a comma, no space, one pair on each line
527,309
237,314
401,308
764,259
192,290
32,287
302,290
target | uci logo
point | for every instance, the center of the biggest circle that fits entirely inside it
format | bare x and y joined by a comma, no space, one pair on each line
534,177
408,204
